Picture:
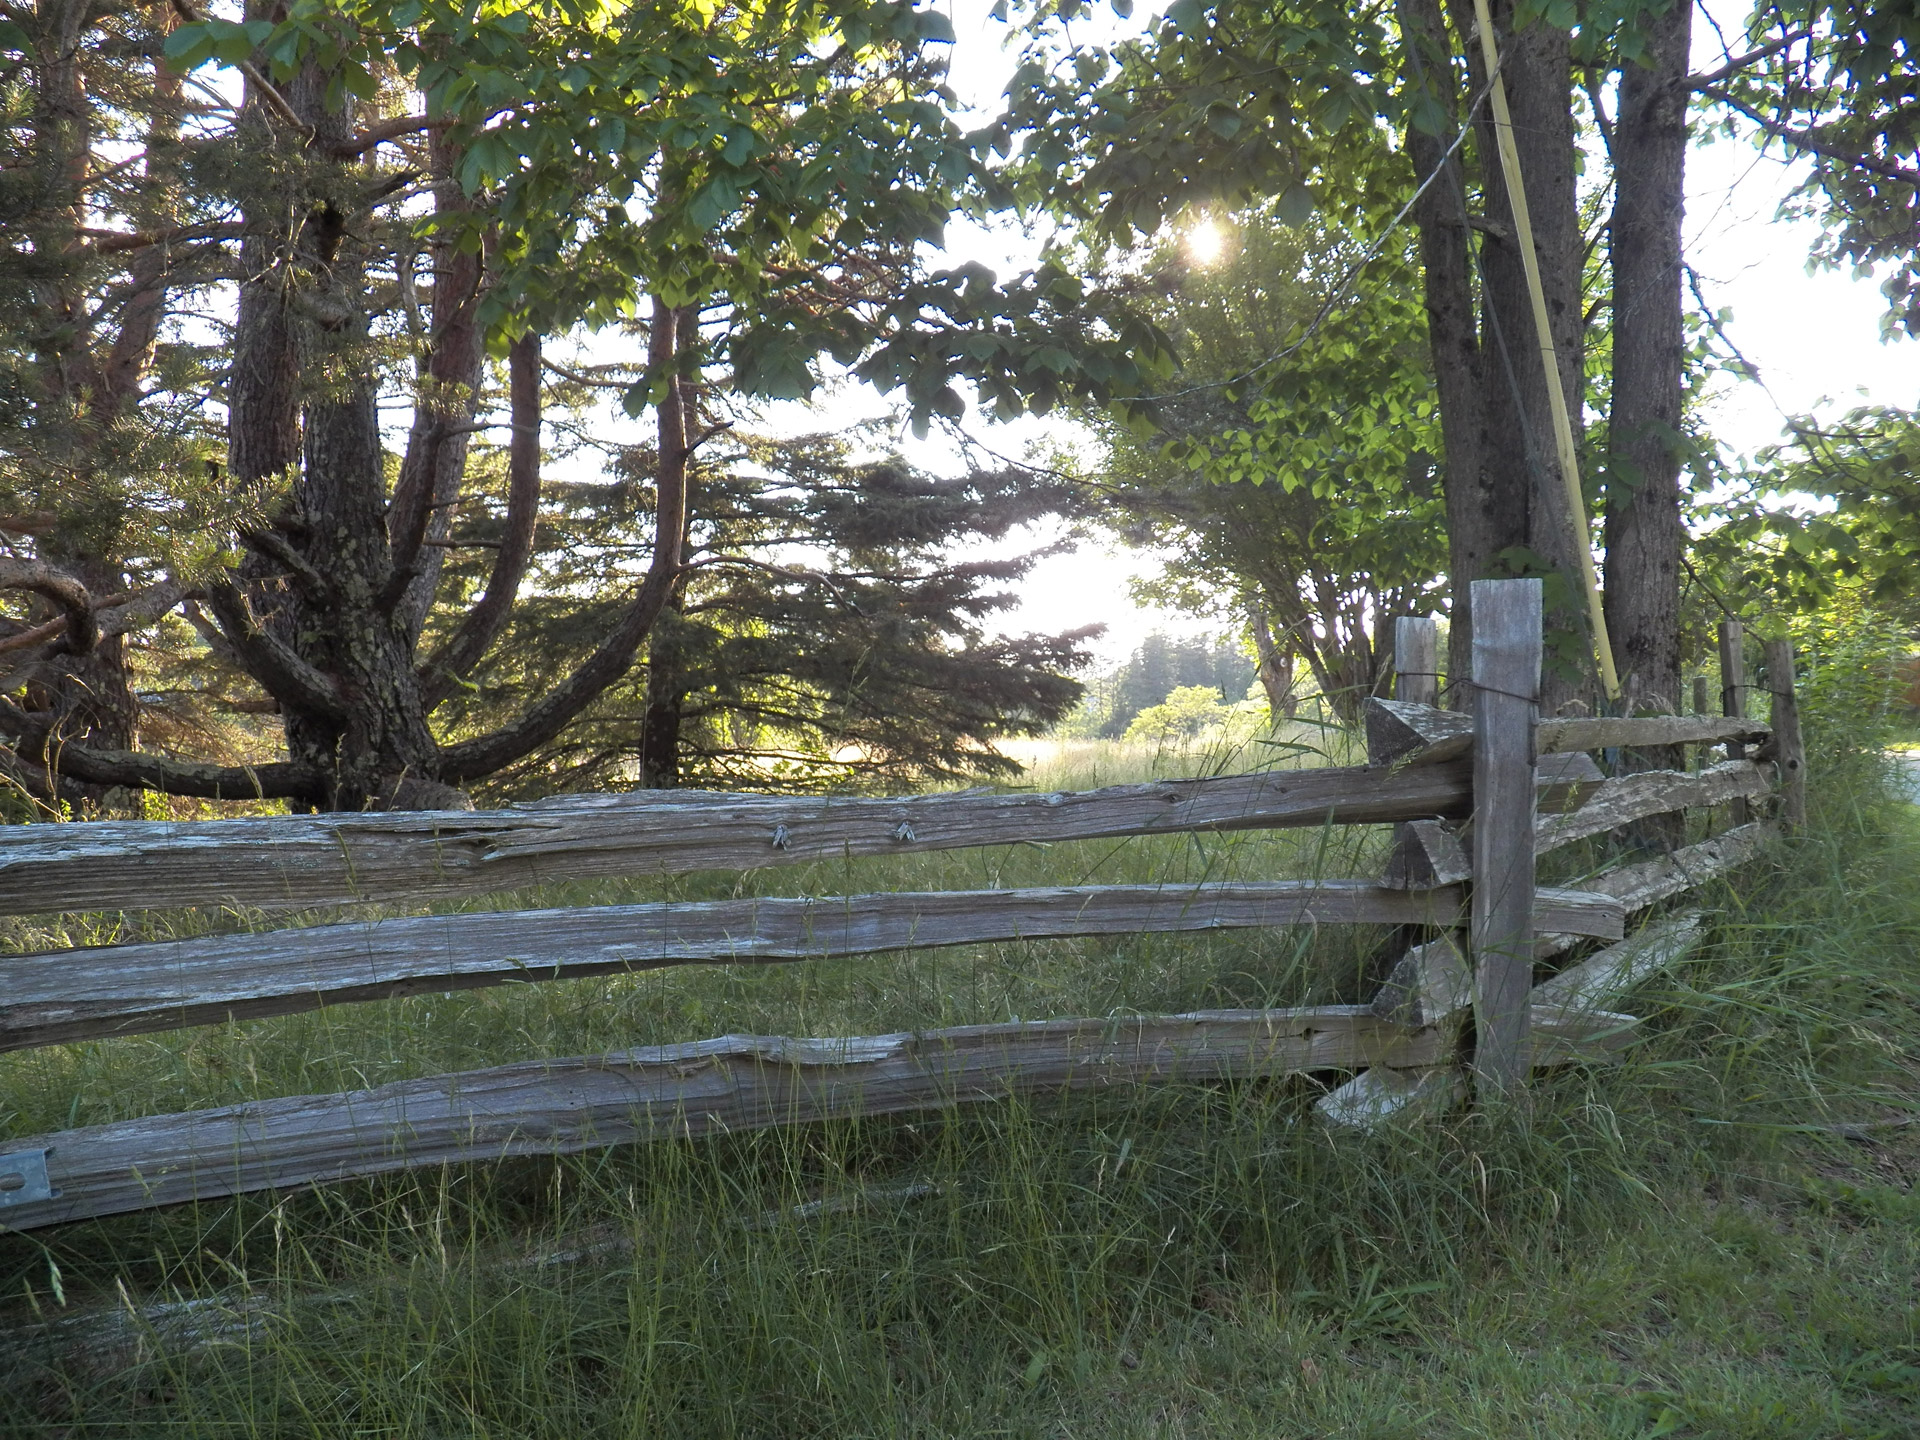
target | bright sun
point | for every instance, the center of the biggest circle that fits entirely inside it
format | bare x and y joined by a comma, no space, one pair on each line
1206,242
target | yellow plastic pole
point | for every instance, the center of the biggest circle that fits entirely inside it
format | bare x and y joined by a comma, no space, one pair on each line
1556,395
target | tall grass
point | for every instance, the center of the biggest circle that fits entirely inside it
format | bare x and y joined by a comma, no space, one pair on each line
1667,1247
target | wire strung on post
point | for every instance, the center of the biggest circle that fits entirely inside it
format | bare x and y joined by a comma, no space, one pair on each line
1556,394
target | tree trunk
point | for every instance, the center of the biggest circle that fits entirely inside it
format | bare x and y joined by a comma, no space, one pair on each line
1524,482
1644,534
436,457
303,400
666,695
1477,525
93,701
1273,665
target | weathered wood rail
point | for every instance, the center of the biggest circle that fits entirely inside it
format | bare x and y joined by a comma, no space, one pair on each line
301,861
737,1082
1466,1002
1505,738
70,995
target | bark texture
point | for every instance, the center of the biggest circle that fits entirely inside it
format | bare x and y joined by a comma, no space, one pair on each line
1644,534
1524,481
1506,507
1476,523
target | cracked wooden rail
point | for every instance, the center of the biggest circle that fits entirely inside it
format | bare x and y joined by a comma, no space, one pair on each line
738,1082
296,861
1433,988
68,995
1433,984
1429,853
1400,732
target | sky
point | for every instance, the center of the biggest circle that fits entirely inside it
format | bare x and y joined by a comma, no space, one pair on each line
1814,337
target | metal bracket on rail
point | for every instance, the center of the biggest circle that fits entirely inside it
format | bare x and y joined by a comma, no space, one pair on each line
24,1179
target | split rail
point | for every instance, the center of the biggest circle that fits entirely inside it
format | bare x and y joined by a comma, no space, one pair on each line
1476,798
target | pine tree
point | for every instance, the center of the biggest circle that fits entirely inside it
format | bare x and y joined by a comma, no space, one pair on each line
106,245
831,626
397,196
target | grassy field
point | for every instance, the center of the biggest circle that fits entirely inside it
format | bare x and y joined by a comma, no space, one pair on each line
1674,1246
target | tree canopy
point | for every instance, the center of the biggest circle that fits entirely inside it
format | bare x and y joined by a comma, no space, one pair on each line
273,276
390,205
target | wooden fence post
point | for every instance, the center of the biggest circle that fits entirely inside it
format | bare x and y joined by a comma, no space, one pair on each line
1506,683
1788,751
1733,698
1416,679
1416,660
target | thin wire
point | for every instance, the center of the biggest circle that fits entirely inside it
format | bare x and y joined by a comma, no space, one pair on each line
1339,291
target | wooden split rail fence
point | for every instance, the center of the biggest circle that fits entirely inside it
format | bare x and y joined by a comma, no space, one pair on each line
1527,786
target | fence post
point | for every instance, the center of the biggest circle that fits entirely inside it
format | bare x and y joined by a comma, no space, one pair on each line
1788,751
1506,683
1416,660
1733,697
1416,679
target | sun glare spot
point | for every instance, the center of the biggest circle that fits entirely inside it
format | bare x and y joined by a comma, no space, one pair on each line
1206,242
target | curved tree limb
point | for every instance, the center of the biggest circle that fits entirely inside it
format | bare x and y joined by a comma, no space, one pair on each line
487,753
278,780
435,464
1736,63
299,569
115,615
482,624
63,590
386,130
285,676
115,242
1811,142
122,614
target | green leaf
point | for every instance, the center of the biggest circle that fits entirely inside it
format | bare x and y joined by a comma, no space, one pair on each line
1223,121
358,81
714,203
1295,205
189,46
1189,17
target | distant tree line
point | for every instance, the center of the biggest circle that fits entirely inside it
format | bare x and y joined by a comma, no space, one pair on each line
1161,665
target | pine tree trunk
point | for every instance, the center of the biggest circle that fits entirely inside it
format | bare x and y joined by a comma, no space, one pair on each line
303,399
93,701
436,455
666,697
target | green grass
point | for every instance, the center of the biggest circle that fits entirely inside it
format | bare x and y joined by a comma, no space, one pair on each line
1665,1247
